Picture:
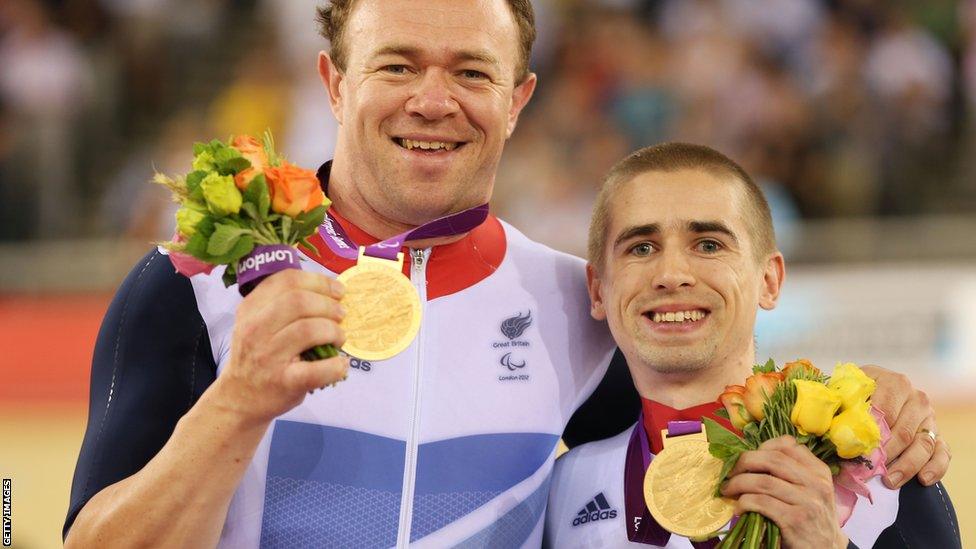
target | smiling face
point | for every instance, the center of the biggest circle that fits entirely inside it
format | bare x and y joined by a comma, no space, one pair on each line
681,283
425,104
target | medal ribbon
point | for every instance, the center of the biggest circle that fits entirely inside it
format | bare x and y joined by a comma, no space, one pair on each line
450,225
641,526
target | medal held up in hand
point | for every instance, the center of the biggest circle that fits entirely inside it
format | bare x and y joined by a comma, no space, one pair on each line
382,308
679,487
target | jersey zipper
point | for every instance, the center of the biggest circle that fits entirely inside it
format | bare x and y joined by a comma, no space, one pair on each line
418,276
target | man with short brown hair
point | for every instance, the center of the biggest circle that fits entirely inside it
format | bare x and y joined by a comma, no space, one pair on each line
682,257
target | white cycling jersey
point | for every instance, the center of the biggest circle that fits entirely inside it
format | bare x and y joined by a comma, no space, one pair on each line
452,441
586,507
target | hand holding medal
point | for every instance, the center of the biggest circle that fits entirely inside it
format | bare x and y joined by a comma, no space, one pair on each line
678,485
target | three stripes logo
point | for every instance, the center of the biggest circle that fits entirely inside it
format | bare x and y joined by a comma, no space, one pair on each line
596,509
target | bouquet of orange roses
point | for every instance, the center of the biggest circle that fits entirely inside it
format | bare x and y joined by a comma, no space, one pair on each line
245,207
832,416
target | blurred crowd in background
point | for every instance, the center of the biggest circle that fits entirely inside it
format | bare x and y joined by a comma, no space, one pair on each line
840,108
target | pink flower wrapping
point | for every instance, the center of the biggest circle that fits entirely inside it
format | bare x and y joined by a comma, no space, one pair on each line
186,264
851,481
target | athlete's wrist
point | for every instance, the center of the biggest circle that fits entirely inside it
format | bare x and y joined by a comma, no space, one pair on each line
225,404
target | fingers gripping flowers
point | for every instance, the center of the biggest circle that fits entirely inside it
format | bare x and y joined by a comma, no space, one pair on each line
830,419
243,200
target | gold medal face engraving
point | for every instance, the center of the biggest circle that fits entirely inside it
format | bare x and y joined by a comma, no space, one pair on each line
382,308
679,488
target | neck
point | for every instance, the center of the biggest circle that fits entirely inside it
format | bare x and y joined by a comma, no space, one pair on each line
685,389
349,202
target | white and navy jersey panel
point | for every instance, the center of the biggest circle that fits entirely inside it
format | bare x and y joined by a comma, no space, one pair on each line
152,361
586,507
451,441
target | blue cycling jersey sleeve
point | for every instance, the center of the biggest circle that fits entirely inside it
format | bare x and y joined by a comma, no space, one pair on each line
152,361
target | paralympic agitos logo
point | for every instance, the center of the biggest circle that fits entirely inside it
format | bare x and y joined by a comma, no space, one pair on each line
514,360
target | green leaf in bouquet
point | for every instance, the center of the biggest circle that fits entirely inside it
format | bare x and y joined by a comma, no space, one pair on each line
224,158
223,152
229,278
197,246
724,451
196,195
234,166
243,247
286,223
769,366
206,227
717,434
727,465
194,178
224,238
309,221
723,413
751,434
257,194
251,210
264,202
199,147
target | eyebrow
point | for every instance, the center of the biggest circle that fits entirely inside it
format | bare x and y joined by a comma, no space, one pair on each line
651,229
482,56
712,227
635,231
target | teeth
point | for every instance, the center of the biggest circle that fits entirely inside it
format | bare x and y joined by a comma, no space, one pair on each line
427,145
679,316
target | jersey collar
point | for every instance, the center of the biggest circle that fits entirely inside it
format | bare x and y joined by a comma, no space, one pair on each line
450,267
657,415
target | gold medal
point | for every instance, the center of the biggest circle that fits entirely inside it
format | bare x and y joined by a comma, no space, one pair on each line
382,308
679,488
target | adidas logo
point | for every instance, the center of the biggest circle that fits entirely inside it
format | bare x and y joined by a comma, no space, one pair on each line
596,509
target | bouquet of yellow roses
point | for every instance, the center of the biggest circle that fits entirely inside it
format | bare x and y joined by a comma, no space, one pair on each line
245,207
832,416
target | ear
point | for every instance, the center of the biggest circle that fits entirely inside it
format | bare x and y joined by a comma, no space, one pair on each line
331,78
773,276
596,293
520,97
